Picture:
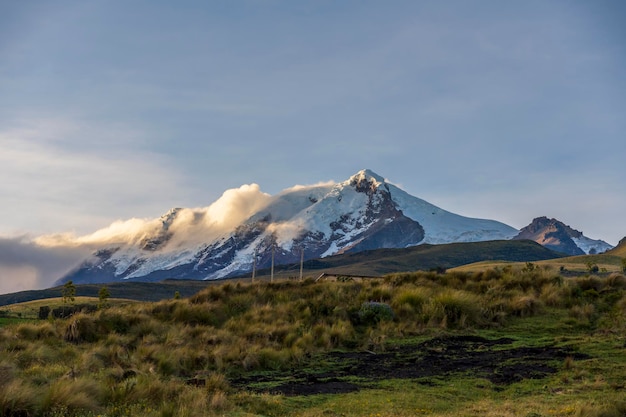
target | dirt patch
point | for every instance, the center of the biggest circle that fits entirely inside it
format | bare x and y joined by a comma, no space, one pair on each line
494,360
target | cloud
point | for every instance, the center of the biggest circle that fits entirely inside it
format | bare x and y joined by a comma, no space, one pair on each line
299,187
236,205
62,175
24,265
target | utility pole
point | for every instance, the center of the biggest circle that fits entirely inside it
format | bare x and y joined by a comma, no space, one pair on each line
301,261
272,272
254,266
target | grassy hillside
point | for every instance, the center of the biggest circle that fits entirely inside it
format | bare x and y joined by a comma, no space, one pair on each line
141,291
422,257
30,309
619,250
506,342
603,264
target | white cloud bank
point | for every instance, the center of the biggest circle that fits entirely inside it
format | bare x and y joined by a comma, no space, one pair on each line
37,263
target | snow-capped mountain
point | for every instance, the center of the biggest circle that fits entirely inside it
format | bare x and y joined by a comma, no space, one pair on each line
560,237
361,213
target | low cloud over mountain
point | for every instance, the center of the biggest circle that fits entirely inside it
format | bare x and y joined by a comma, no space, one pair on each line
25,265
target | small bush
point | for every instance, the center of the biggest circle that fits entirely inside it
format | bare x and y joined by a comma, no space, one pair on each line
44,312
373,312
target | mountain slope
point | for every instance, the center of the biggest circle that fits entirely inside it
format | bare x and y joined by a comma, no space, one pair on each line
620,249
425,257
560,237
246,226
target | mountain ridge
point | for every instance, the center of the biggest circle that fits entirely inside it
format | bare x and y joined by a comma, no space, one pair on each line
560,237
247,228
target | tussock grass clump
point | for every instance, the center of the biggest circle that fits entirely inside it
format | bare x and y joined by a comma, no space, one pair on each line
525,306
453,308
35,331
609,410
583,312
553,295
73,395
18,398
7,372
615,281
82,328
413,298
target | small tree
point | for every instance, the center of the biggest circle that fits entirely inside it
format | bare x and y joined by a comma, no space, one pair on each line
68,292
103,297
624,265
177,295
592,267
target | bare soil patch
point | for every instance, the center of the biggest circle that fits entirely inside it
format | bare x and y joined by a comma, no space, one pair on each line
495,360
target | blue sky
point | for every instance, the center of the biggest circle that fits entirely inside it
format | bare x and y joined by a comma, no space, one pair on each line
502,110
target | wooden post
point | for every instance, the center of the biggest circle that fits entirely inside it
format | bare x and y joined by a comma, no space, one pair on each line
301,261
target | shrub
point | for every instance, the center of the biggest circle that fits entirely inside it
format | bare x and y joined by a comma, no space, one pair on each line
44,312
373,312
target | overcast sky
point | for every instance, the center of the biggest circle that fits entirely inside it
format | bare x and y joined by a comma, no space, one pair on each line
503,110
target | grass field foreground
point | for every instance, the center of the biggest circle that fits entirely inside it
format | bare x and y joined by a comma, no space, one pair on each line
538,344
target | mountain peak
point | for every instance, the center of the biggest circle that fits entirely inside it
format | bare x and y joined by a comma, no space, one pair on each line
560,237
367,174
